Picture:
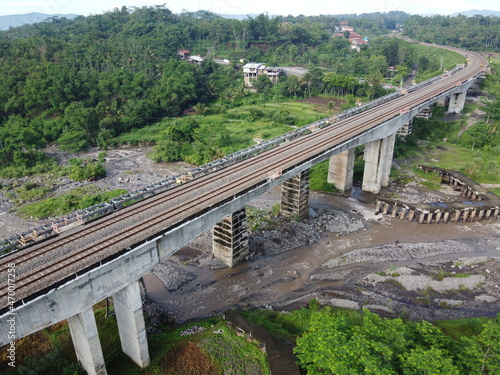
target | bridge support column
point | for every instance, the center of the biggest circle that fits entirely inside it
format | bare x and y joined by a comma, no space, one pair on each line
295,196
230,238
85,338
425,113
386,154
457,102
131,326
442,101
406,129
378,161
341,170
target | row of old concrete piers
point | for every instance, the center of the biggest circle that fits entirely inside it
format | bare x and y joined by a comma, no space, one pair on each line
481,204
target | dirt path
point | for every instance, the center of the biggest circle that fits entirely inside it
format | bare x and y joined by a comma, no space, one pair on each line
472,118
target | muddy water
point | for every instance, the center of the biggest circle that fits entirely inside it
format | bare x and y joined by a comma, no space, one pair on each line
286,277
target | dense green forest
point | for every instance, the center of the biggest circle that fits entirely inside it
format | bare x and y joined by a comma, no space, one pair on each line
476,33
83,82
338,344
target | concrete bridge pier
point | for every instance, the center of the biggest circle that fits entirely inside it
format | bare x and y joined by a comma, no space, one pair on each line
425,113
230,238
442,101
341,170
378,161
131,326
411,215
295,196
85,339
480,215
457,102
406,129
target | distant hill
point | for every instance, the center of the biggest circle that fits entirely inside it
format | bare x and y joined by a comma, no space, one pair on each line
473,12
14,20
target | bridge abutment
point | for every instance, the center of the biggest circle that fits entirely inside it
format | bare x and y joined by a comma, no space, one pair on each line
85,339
295,196
341,170
457,102
230,238
378,161
131,326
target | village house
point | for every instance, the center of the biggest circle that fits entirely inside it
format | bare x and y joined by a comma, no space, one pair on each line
184,54
355,39
252,71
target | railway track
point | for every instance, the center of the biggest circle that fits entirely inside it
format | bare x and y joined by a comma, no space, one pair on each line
43,264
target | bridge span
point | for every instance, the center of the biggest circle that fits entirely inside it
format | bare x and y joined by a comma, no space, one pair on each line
64,276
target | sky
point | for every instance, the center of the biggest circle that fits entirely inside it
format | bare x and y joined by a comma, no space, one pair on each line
281,7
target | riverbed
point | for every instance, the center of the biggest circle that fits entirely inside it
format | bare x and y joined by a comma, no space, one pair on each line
336,257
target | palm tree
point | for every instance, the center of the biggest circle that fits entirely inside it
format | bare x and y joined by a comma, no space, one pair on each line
200,108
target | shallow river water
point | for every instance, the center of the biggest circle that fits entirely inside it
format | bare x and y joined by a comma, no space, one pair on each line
281,279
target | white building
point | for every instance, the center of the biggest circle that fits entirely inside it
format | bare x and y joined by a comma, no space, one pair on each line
253,70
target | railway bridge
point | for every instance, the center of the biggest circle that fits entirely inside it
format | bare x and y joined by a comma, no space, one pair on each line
63,276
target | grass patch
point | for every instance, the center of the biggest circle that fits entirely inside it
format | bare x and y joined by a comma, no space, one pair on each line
495,191
284,325
29,192
242,123
186,359
258,219
430,180
481,165
318,178
234,355
395,283
438,57
61,205
442,274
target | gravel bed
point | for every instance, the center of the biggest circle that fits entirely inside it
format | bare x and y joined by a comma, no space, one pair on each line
421,282
399,252
172,277
287,234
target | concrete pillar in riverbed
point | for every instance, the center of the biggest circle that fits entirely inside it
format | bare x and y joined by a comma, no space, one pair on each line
295,196
85,338
457,102
386,154
442,101
341,170
131,326
230,238
371,180
378,161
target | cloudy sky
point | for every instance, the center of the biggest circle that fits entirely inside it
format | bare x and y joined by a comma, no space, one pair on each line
283,7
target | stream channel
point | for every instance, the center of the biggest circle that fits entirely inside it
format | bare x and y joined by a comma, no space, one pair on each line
195,285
